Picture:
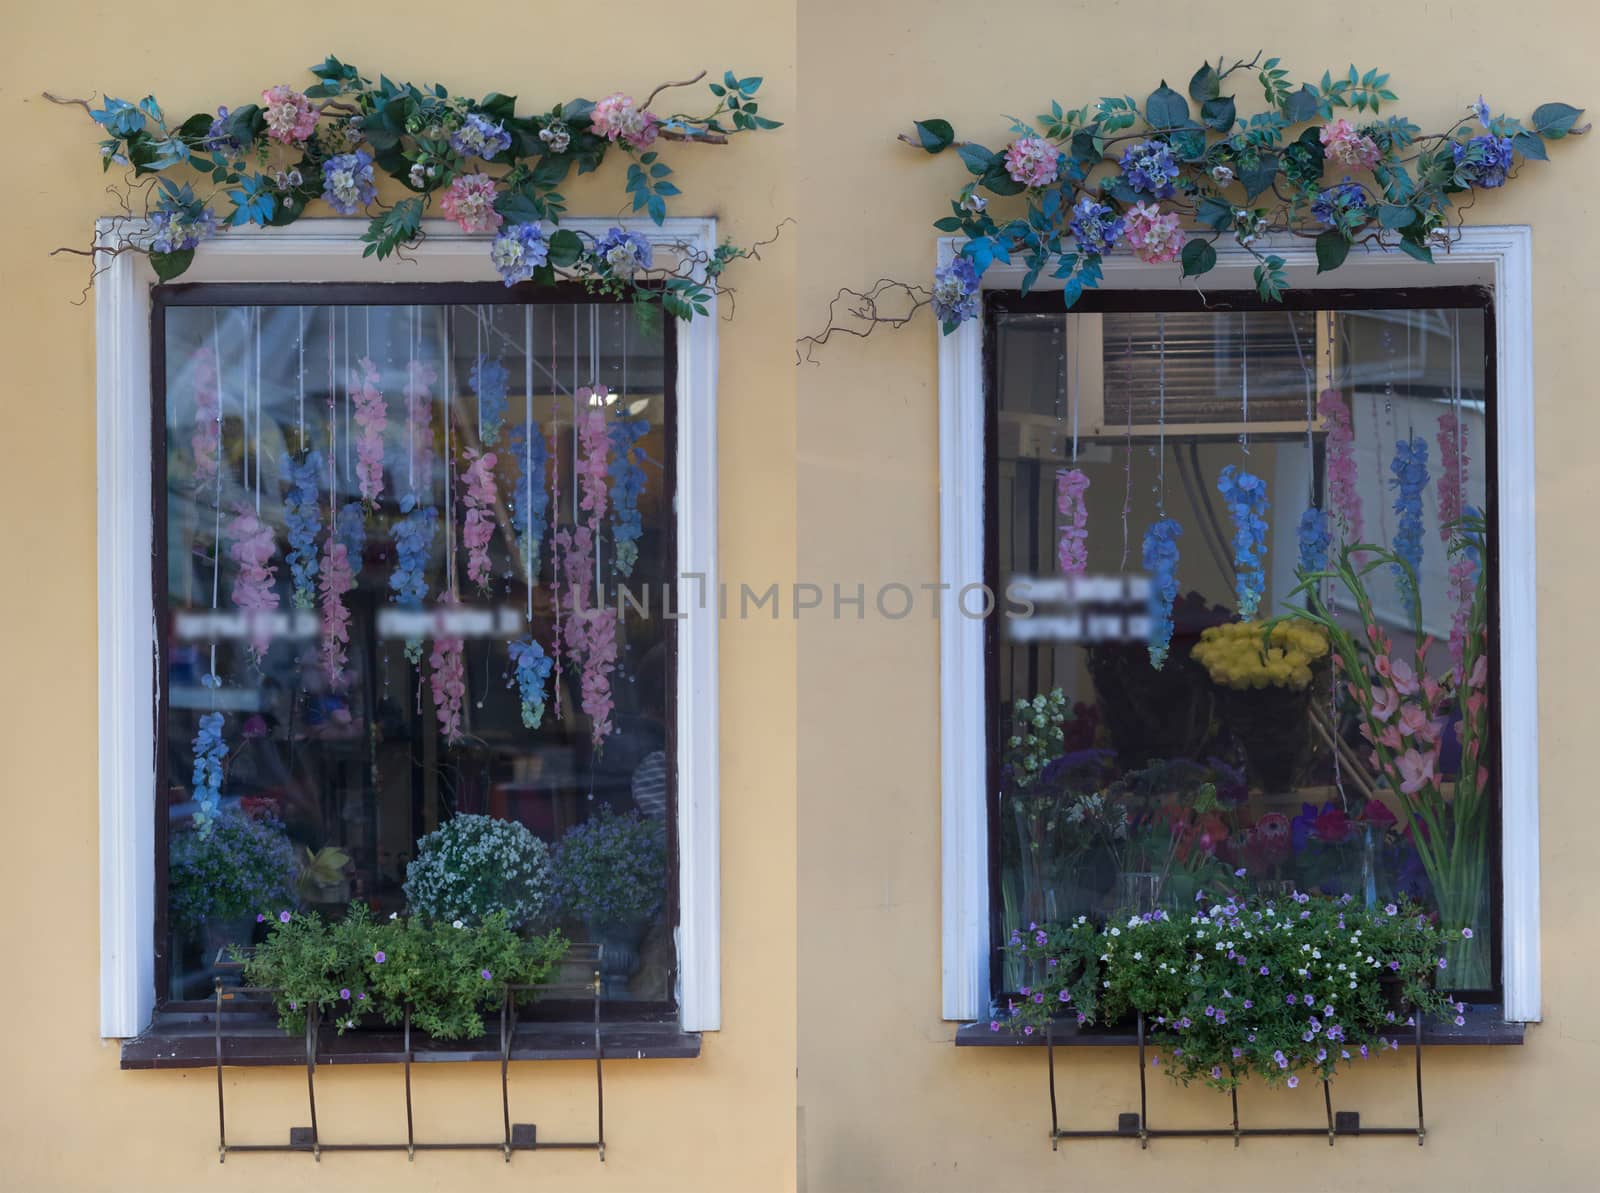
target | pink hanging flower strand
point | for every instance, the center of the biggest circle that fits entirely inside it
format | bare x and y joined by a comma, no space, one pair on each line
594,446
478,496
1343,496
334,581
1463,570
589,634
1072,542
448,679
206,441
372,419
251,546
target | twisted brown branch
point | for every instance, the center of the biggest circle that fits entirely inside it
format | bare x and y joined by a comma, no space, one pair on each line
82,103
667,86
864,311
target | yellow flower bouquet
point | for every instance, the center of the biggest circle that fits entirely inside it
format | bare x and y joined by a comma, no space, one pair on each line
1246,654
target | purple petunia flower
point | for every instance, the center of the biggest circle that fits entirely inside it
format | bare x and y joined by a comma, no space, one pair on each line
283,917
1293,1081
260,918
486,974
1065,996
994,1025
345,994
380,957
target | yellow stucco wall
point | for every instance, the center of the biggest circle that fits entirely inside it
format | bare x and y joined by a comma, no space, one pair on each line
887,1102
69,1118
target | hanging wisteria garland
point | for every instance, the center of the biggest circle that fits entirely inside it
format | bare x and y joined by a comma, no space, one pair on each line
1343,495
302,517
588,635
1453,464
449,676
210,752
1160,559
372,420
478,497
530,676
1246,497
1410,477
627,483
1072,541
491,171
530,500
1116,172
206,439
252,546
490,380
1314,539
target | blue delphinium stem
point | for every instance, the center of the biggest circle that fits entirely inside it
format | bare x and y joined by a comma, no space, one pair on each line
1315,539
489,381
350,526
530,678
530,501
1246,495
413,536
210,751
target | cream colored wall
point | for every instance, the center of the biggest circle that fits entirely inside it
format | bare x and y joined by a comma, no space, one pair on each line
69,1118
888,1103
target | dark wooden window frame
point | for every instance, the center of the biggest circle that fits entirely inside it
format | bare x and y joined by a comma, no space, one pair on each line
998,303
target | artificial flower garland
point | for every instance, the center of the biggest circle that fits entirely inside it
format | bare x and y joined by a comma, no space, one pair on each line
1072,540
210,752
1314,538
627,483
1343,494
531,675
1117,172
489,169
372,419
449,678
478,497
489,380
302,516
252,547
1246,498
1410,477
1453,463
1160,558
206,439
530,501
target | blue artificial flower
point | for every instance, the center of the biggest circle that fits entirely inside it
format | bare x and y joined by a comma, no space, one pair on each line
347,182
1149,167
413,547
1342,206
1246,496
1410,477
627,483
1315,539
173,230
623,252
210,751
1484,160
1481,110
530,502
531,676
303,517
518,250
955,293
489,380
480,137
1095,227
1160,557
217,138
351,528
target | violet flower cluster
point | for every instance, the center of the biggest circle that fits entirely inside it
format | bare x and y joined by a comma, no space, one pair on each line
1483,161
1159,555
518,250
347,182
210,752
1314,540
1072,539
624,253
480,137
955,292
302,516
177,231
413,546
1409,478
1342,206
1150,168
1095,226
1246,498
627,483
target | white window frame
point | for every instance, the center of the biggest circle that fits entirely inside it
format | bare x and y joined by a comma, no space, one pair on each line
329,250
1500,257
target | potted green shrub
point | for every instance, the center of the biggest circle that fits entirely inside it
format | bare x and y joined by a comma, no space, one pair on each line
221,875
610,873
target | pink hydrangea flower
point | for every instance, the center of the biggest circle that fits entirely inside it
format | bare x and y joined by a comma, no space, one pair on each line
469,200
1348,147
1033,161
251,546
616,117
1154,235
206,441
478,496
372,417
334,580
1343,495
1072,542
449,681
288,113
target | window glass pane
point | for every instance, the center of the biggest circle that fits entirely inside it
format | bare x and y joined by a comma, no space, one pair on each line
393,541
1237,754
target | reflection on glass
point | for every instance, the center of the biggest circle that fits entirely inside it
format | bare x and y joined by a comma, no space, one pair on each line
396,668
1335,741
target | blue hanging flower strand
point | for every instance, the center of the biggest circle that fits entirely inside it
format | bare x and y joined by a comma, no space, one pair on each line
1409,478
530,678
413,545
1160,557
627,483
210,751
1246,495
1315,540
489,380
529,499
303,517
350,527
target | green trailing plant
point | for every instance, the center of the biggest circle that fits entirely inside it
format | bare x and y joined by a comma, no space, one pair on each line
447,974
486,166
1276,988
